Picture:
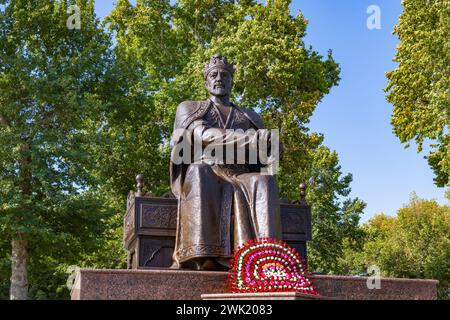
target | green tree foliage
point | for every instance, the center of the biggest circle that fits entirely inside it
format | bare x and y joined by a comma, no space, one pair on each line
419,87
276,75
80,118
51,81
335,221
415,244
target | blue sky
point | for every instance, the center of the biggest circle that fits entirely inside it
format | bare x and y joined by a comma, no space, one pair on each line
355,117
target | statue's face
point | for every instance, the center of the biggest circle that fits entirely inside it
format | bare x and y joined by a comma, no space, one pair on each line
219,82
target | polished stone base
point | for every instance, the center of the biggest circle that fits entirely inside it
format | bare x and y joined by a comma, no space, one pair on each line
166,284
263,296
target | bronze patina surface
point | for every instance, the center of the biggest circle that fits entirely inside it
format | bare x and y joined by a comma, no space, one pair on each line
220,205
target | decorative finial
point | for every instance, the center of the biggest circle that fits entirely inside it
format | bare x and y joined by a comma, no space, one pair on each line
217,61
302,188
140,185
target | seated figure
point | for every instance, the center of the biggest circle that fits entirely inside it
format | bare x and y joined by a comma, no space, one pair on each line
221,205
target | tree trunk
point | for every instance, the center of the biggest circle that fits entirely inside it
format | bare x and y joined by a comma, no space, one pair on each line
19,276
19,256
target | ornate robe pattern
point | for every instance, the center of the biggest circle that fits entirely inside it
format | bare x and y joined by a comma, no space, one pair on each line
220,205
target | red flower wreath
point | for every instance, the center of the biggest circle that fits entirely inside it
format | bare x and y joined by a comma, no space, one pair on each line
266,265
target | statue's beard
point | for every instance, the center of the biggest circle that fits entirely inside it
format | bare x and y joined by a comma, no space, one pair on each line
219,91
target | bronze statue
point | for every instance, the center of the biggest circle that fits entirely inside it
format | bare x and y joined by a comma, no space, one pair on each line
220,204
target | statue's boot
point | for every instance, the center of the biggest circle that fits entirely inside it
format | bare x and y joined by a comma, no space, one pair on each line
224,263
214,265
195,264
198,263
209,265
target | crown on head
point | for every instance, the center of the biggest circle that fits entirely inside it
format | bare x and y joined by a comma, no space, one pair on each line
217,61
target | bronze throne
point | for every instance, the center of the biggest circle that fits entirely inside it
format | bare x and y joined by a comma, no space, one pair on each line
150,227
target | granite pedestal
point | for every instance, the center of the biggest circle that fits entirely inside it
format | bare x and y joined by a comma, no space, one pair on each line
263,296
166,284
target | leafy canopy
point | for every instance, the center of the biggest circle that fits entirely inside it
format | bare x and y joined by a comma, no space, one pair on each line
81,117
277,75
413,244
51,105
419,87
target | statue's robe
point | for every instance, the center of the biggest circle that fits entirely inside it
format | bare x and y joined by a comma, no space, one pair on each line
220,205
